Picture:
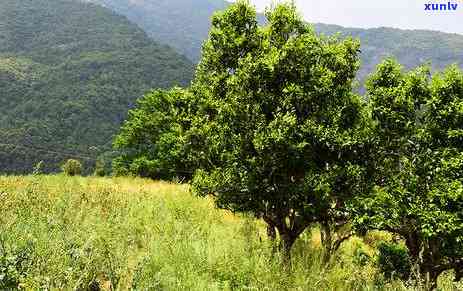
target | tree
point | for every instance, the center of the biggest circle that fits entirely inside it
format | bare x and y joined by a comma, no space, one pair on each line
419,161
99,168
278,129
151,141
72,167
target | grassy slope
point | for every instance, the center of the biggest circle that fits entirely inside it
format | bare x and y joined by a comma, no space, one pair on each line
144,235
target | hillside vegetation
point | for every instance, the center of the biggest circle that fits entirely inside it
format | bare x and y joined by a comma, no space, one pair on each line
185,27
182,24
69,72
61,233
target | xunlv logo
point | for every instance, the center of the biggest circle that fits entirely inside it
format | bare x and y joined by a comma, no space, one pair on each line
441,6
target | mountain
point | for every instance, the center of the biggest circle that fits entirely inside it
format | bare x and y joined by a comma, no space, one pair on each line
184,24
69,72
410,47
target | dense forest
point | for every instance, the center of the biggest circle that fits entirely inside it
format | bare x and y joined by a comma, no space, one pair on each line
69,72
184,24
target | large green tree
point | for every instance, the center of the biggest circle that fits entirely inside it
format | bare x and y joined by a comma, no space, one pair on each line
278,130
419,162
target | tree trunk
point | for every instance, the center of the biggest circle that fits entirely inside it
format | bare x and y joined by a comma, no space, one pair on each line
327,242
413,246
286,245
430,272
288,232
272,235
271,232
459,273
432,277
425,255
331,240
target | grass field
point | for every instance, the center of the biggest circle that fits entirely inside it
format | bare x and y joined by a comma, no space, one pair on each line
74,233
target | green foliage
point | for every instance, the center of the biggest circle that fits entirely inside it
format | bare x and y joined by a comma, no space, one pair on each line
418,162
100,170
14,264
72,167
278,126
73,77
69,72
394,261
152,141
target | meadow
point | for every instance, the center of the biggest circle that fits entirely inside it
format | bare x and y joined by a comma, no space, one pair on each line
76,233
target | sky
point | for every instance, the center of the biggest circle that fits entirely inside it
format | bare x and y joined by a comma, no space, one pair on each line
405,14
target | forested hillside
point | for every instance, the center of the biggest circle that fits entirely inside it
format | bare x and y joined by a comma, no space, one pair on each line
184,24
69,72
411,47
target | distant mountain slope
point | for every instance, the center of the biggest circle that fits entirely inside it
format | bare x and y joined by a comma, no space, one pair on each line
184,24
410,47
69,71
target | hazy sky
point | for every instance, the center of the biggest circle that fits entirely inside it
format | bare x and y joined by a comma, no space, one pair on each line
407,14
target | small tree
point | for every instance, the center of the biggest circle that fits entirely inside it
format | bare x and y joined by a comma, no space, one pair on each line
278,129
100,170
72,167
419,162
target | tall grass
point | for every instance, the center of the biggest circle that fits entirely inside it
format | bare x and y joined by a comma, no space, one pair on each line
74,233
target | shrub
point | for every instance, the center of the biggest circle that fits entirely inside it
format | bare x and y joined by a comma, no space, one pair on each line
394,261
13,265
72,167
100,170
361,257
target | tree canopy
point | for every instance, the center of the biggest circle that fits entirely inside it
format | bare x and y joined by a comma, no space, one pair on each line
152,141
280,127
419,185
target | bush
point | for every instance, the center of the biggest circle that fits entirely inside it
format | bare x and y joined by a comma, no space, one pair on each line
100,170
13,265
361,257
394,261
72,167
